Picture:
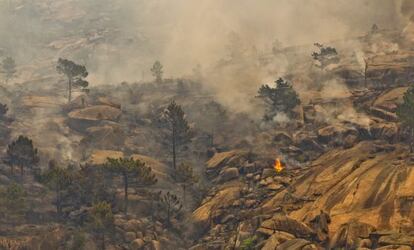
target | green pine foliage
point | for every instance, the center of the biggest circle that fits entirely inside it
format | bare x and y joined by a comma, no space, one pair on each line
405,113
132,172
281,99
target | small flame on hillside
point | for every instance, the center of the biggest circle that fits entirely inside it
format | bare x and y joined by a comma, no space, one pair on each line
278,166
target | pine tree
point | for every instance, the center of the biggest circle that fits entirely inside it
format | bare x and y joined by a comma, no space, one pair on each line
21,153
102,221
3,110
131,170
8,68
281,99
211,116
178,129
171,205
95,184
405,112
13,200
75,74
59,180
185,176
325,56
157,71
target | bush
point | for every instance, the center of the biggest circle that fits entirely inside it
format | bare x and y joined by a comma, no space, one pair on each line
248,244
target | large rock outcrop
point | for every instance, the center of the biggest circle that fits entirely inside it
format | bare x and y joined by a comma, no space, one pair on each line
214,207
370,183
81,119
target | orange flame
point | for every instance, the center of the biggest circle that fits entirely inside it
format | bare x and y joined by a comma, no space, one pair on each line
278,166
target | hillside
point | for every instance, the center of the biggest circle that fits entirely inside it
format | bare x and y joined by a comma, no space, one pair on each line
134,142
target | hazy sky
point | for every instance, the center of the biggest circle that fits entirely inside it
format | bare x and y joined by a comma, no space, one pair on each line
180,33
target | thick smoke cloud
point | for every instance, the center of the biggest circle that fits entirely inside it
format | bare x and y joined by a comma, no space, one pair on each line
407,9
192,32
118,40
183,33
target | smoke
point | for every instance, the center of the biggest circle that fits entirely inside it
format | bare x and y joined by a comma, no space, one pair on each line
281,118
361,59
231,43
407,9
232,40
183,33
333,89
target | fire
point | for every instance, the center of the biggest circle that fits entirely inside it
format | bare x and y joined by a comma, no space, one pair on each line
278,166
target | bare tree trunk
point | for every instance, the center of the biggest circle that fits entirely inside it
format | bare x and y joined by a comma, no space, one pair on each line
174,148
70,90
168,215
21,170
365,72
152,211
58,200
346,237
103,241
411,139
237,235
184,189
126,193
